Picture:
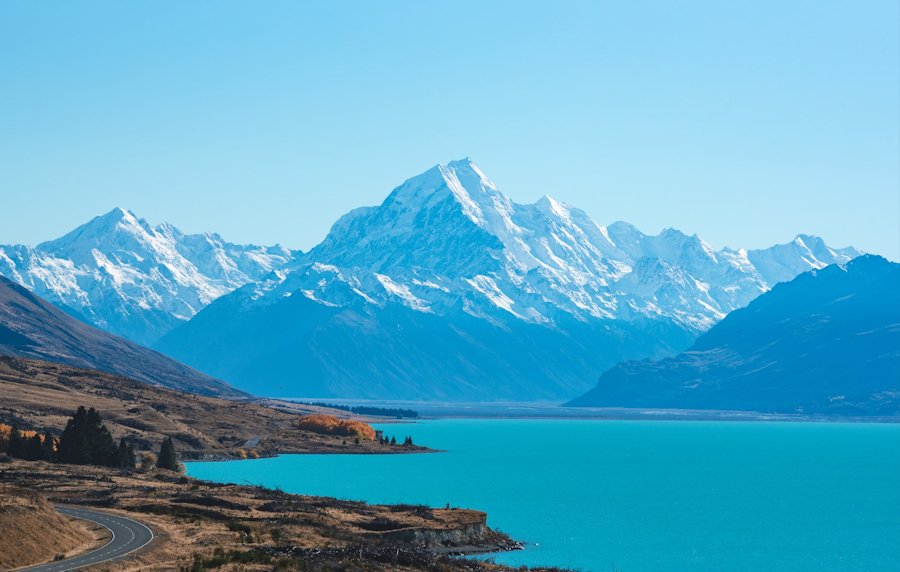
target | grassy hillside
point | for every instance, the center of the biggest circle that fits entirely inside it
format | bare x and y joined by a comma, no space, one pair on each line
43,395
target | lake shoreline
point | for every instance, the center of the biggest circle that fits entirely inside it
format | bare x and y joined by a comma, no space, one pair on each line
555,410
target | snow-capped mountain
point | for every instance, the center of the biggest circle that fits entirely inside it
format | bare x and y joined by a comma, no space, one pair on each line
449,285
121,274
449,236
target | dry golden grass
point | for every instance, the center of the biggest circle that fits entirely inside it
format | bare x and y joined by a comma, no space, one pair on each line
42,395
32,532
191,517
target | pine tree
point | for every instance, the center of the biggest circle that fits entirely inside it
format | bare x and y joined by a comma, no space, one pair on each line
393,440
102,446
124,458
32,449
48,453
167,459
86,441
15,448
73,446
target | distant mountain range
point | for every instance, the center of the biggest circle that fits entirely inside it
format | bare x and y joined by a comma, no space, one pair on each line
135,280
449,290
33,328
827,342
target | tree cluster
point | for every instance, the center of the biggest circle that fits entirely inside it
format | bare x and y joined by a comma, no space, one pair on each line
384,440
366,409
86,441
31,448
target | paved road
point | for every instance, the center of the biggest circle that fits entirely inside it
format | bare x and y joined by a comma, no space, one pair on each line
127,536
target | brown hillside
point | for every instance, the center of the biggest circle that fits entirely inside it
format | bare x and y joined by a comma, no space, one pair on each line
31,327
42,395
32,532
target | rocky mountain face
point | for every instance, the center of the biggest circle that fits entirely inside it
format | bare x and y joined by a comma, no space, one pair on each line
33,328
450,290
135,280
826,342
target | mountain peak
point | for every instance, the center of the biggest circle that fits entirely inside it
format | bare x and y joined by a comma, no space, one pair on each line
112,218
550,206
118,213
118,272
806,240
460,180
99,230
464,163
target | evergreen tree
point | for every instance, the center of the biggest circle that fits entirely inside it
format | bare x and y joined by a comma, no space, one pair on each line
167,459
86,441
16,447
73,446
393,440
32,448
48,453
103,447
124,455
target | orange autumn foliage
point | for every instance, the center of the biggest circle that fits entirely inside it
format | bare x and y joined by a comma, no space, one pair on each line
6,430
331,425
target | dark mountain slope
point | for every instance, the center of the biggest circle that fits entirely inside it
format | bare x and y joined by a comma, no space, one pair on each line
358,351
826,342
32,327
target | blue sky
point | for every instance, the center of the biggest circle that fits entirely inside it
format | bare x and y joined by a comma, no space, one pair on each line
745,122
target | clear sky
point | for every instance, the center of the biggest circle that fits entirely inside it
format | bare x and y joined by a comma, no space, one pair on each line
746,122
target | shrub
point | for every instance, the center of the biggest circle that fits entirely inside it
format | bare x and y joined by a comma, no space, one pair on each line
331,425
148,461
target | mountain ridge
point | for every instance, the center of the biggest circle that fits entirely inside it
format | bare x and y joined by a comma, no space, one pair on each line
119,273
826,342
446,248
31,327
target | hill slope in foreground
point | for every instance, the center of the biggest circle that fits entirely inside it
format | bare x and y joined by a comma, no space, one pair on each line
206,526
41,535
827,342
32,327
43,395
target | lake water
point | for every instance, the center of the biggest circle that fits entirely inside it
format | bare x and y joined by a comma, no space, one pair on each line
637,495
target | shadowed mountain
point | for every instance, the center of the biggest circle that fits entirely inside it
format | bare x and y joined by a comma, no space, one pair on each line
826,342
32,327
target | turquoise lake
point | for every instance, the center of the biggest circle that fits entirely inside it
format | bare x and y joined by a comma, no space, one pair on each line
637,495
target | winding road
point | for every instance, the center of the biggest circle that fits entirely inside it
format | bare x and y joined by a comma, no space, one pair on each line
127,536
